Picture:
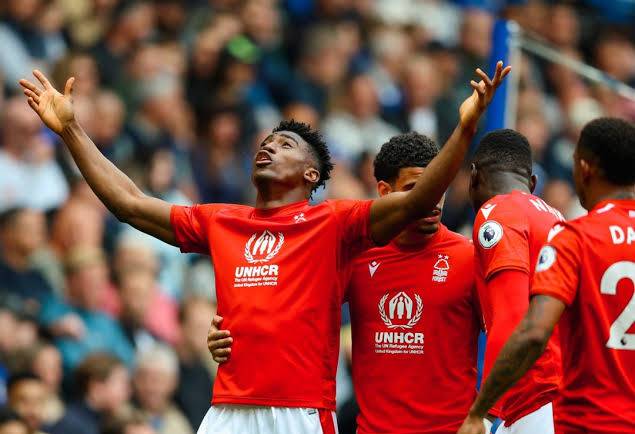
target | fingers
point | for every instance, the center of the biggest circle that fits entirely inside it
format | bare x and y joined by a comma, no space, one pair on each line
217,344
216,321
68,89
498,70
30,94
33,104
26,84
221,355
506,71
42,79
478,87
484,76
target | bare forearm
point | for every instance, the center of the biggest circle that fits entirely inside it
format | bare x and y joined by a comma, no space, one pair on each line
517,356
109,183
439,173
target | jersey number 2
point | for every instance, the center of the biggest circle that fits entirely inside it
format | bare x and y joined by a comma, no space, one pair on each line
618,338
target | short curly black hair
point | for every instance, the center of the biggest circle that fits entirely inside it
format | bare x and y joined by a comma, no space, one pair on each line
504,150
611,144
317,144
404,150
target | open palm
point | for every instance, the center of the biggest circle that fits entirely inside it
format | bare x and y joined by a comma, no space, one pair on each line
55,109
473,107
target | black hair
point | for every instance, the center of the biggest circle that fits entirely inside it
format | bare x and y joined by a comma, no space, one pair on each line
21,377
7,415
611,143
504,150
8,216
317,145
404,150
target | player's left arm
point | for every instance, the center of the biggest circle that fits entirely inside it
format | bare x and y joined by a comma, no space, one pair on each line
518,355
391,214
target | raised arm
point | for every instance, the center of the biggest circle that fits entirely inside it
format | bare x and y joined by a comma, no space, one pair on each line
392,213
120,195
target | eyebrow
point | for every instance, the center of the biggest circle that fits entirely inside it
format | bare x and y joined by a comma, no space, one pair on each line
290,138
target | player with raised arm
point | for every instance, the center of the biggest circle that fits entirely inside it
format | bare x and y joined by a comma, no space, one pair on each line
584,282
277,264
411,301
511,226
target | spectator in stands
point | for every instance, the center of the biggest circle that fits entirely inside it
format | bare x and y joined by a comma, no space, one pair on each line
46,362
196,373
134,423
30,175
155,380
103,385
77,322
22,232
28,397
358,127
12,423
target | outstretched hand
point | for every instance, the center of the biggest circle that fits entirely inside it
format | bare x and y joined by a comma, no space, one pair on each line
473,107
55,109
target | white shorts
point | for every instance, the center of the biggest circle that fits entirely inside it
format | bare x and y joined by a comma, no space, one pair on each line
538,422
240,419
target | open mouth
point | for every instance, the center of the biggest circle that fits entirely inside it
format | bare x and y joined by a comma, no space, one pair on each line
434,217
263,158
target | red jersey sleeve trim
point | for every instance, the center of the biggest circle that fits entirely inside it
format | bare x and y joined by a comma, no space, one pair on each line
507,265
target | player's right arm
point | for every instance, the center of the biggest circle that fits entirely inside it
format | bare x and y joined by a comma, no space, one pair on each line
120,195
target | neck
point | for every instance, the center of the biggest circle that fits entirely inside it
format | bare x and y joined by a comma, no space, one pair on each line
604,191
410,239
276,195
503,183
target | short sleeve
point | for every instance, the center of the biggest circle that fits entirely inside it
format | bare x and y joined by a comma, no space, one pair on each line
557,272
502,243
190,225
353,219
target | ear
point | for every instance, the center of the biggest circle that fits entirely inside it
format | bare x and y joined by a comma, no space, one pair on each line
532,183
312,175
383,188
587,170
473,176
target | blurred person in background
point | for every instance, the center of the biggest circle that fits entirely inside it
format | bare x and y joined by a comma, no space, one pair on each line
219,160
77,322
422,87
28,397
196,372
30,175
132,23
12,423
22,233
29,37
358,127
145,316
155,380
102,383
45,361
134,423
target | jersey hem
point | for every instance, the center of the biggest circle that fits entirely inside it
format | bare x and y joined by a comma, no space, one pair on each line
268,402
550,293
516,415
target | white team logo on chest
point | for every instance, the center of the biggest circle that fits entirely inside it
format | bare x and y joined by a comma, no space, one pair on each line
400,310
263,247
441,267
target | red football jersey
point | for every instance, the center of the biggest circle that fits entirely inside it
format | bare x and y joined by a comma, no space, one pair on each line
415,325
589,264
509,231
278,286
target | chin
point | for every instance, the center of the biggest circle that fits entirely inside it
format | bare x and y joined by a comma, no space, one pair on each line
428,229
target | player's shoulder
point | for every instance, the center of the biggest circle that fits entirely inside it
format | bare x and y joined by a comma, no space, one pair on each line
457,240
502,207
225,208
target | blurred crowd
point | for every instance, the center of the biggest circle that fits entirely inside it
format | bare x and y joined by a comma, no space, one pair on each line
102,329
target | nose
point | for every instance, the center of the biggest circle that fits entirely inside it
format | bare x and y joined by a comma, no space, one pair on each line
269,148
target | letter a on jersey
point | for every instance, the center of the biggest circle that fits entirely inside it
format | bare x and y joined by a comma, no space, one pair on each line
490,234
